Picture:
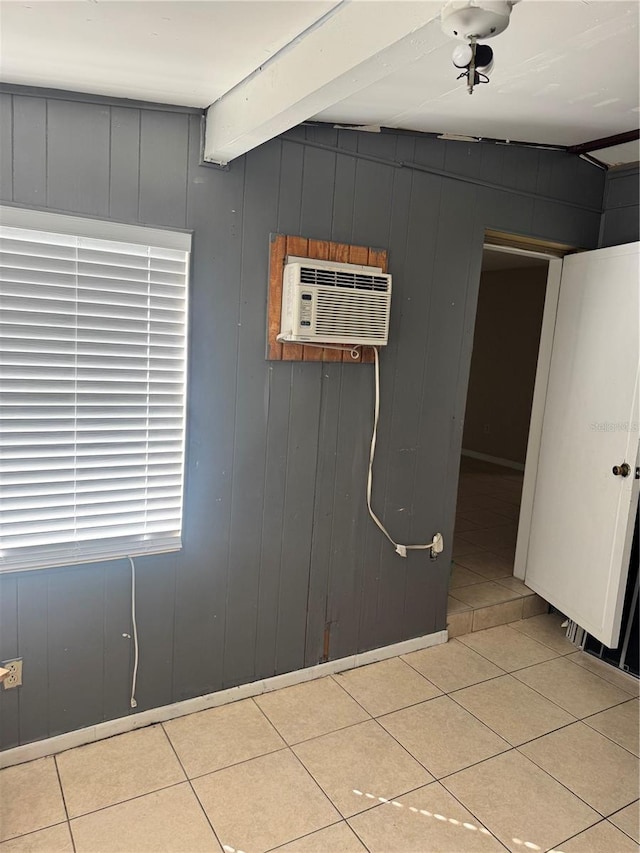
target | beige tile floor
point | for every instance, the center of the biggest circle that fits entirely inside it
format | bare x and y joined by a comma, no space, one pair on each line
505,738
482,591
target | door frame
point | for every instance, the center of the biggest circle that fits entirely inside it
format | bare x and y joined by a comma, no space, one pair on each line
547,332
543,369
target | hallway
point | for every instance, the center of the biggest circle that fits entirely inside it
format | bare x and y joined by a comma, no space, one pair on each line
482,591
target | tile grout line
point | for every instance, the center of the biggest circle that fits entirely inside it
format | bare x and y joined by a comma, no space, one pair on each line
401,745
389,801
357,835
542,770
33,832
575,835
574,721
558,656
507,671
313,737
604,734
468,809
237,763
64,802
516,597
127,800
309,834
193,790
567,788
287,747
374,719
382,728
504,752
268,719
415,758
411,704
634,695
307,771
371,718
513,746
624,831
455,689
608,708
486,725
377,720
409,753
315,781
509,748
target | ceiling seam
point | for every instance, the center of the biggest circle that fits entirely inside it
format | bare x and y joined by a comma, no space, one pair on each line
467,179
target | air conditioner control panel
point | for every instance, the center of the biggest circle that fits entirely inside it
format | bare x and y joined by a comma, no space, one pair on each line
306,310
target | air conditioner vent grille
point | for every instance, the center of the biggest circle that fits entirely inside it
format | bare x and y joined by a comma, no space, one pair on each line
328,277
349,317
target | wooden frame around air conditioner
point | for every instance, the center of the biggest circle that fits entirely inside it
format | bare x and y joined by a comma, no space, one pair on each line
282,245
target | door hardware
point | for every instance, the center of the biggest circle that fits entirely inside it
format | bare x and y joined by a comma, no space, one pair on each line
622,470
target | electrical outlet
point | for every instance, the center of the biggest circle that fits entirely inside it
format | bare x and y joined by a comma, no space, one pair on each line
486,429
437,546
14,679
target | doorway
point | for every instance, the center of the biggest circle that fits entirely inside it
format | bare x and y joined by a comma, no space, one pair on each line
483,590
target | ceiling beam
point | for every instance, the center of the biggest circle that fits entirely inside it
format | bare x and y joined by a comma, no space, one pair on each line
605,142
352,47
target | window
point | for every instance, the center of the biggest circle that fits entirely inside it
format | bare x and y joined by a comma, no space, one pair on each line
93,322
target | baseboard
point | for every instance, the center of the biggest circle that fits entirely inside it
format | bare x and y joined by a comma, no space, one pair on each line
497,460
60,743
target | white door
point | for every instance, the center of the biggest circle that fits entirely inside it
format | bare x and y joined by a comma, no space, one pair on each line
583,512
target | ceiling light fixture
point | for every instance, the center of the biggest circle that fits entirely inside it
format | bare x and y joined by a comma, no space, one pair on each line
471,20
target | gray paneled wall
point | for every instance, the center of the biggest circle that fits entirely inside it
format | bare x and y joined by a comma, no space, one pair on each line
277,539
621,216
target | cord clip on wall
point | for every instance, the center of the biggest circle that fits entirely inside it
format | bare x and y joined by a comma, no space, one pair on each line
436,546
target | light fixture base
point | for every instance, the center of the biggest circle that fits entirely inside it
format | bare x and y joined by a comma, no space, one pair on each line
469,20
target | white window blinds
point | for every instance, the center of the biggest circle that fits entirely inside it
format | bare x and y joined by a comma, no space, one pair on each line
92,391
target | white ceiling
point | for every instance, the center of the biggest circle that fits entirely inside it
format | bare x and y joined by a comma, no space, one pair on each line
616,155
567,71
184,52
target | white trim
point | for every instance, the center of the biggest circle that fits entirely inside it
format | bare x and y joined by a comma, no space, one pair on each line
547,332
527,253
496,460
100,229
60,743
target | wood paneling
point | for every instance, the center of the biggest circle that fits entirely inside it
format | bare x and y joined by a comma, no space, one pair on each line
29,119
252,408
164,150
621,217
9,708
80,134
280,247
6,147
124,171
277,540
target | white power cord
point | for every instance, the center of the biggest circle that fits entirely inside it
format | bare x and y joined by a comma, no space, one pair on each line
134,624
437,543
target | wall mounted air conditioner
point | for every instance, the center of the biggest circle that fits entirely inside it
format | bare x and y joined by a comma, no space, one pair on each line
327,302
